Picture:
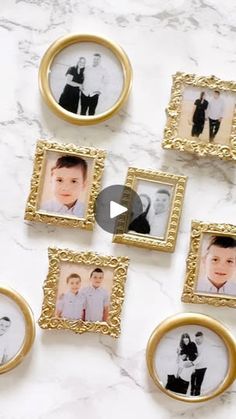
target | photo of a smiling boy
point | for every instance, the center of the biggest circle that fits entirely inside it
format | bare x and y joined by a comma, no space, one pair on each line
70,304
218,267
66,187
96,298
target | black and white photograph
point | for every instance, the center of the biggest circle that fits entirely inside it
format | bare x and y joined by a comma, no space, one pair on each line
86,79
156,198
12,329
191,361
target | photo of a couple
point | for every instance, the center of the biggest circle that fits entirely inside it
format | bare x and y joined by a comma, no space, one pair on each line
156,202
186,360
207,115
86,79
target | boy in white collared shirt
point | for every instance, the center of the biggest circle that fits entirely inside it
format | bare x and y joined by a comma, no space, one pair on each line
68,178
5,323
71,304
220,267
96,298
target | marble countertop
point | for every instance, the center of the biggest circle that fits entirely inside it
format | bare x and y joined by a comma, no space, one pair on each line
92,376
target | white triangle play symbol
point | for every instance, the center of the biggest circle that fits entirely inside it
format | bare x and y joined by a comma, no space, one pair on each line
116,209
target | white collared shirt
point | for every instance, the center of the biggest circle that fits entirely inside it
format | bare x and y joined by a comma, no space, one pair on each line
204,285
215,108
201,360
96,299
71,305
158,223
3,349
56,207
94,80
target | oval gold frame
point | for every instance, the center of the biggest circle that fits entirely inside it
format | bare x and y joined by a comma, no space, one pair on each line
44,70
29,328
184,319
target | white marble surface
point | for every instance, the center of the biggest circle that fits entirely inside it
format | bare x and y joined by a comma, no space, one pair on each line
88,376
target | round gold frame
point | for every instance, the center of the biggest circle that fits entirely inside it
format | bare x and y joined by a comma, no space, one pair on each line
192,319
29,328
44,71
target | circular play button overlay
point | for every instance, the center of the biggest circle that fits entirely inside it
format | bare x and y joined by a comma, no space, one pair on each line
117,204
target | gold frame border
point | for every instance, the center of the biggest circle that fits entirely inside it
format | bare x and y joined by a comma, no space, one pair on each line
184,319
29,328
44,70
171,139
150,242
34,214
189,295
48,320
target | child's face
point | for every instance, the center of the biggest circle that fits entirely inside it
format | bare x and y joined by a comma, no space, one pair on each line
220,264
74,285
161,203
96,279
67,184
4,326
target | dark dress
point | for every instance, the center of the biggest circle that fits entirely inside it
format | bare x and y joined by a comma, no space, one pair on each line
140,224
199,117
70,96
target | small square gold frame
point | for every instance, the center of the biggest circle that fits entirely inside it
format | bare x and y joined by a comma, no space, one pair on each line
143,240
190,295
171,139
32,213
48,320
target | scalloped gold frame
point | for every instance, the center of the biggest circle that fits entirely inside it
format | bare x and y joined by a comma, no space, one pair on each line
32,213
44,71
171,139
29,328
146,241
184,319
190,295
48,320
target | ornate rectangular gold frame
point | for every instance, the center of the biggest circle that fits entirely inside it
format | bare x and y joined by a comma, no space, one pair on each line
33,214
143,240
48,320
171,139
189,295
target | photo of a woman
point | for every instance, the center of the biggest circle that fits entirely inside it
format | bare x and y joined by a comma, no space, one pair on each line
140,224
199,115
70,96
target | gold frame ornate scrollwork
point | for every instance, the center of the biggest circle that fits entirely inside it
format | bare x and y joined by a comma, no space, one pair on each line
48,320
173,141
190,295
186,319
143,240
32,212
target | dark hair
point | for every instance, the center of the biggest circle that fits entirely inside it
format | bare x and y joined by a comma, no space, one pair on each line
6,319
163,191
149,202
201,95
222,241
198,334
71,161
73,276
97,54
182,344
98,270
217,91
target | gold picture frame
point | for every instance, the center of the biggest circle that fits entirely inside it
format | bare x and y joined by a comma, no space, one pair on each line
29,332
33,212
190,322
167,243
44,72
119,265
172,139
198,292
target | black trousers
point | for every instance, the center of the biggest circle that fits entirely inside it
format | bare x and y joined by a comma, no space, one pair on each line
214,125
196,381
88,104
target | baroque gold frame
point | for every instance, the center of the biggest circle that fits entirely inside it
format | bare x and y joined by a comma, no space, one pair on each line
171,138
32,213
143,240
48,320
44,72
29,328
185,319
190,295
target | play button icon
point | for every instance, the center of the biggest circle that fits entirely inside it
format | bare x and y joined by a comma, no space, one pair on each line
114,202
